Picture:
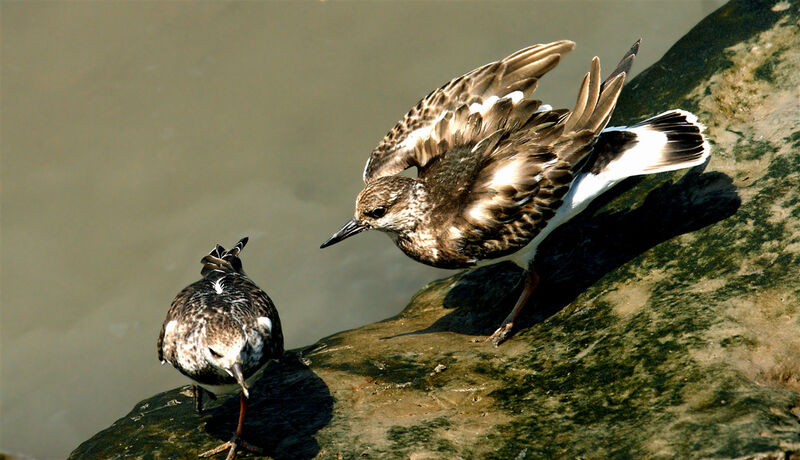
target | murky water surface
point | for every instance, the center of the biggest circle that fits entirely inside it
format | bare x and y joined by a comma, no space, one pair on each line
137,135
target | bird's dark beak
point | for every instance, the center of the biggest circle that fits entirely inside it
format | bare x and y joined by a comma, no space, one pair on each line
236,370
351,228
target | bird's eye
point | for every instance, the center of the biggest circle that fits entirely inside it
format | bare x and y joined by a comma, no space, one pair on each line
214,353
376,213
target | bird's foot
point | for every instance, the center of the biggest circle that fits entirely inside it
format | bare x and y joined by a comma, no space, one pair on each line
501,334
233,444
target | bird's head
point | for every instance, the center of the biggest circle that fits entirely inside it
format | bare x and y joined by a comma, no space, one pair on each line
390,204
224,345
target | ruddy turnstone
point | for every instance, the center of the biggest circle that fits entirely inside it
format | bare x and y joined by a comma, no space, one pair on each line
220,332
498,171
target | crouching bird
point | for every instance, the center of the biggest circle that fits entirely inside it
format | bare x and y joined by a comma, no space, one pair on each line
497,171
220,332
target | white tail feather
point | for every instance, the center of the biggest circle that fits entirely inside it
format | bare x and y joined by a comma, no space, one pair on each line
667,142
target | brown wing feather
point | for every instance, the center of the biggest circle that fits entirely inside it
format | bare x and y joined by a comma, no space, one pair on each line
180,300
518,72
527,172
262,306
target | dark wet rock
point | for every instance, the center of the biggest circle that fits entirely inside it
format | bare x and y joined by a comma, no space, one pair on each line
667,323
167,425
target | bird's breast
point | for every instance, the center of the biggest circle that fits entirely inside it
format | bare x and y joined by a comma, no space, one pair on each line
435,249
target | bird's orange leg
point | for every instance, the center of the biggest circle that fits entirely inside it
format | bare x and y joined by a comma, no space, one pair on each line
501,334
237,440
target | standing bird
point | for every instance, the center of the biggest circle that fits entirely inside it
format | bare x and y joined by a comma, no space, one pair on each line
498,171
220,332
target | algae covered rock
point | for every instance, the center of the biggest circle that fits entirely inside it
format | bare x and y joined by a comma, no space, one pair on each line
666,324
167,426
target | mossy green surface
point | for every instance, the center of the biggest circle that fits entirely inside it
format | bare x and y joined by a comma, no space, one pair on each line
666,324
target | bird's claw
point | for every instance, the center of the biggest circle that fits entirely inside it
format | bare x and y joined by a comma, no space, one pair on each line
501,334
233,444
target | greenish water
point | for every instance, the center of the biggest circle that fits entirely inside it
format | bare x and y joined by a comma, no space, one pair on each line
137,135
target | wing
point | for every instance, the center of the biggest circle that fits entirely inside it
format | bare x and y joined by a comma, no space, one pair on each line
264,316
526,171
515,77
166,345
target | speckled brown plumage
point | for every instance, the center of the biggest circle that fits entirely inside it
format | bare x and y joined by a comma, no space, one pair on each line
206,315
221,331
497,171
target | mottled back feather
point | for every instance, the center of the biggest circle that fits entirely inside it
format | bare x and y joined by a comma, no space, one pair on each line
224,294
505,213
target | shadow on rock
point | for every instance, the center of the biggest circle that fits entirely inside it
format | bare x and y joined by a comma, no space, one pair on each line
579,253
288,405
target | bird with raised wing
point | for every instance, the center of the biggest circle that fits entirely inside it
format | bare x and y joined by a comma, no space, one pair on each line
497,171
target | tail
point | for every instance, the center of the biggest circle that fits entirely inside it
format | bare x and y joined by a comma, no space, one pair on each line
624,65
666,142
593,109
220,259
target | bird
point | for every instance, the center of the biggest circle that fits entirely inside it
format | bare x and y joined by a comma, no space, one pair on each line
221,331
498,170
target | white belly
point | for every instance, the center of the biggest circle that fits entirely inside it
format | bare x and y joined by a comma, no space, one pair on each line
585,188
232,387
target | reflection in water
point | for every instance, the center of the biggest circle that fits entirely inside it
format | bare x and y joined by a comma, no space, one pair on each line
135,136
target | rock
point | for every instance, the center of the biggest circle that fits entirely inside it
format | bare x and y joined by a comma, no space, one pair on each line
667,322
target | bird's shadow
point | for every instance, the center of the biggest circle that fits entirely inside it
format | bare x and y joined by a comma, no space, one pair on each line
287,406
582,251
